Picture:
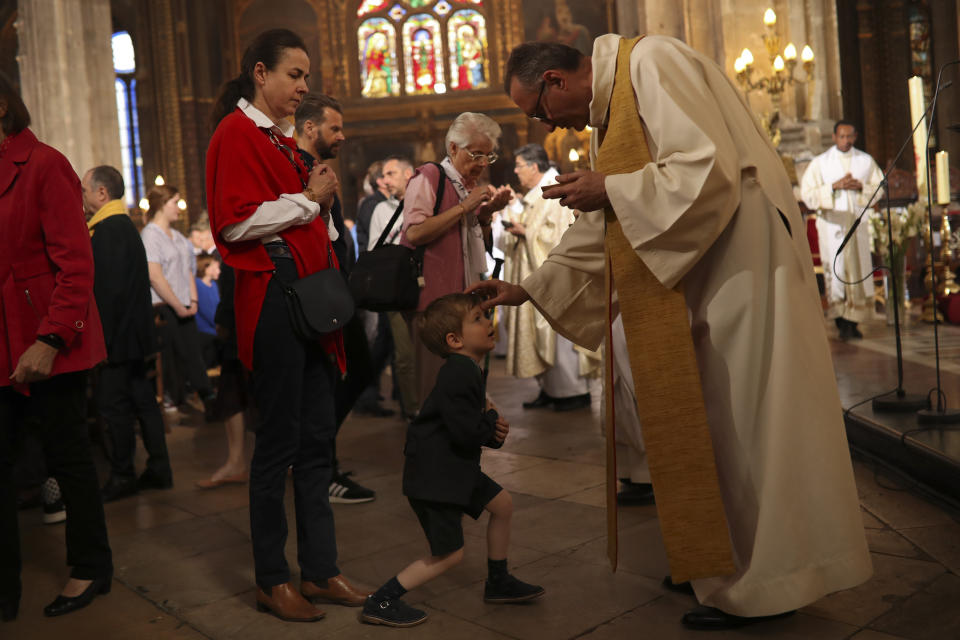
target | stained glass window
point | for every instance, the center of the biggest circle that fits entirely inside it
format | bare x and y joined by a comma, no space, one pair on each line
467,37
371,6
423,49
125,87
379,76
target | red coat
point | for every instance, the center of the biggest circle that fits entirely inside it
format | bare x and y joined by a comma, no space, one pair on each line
244,170
46,263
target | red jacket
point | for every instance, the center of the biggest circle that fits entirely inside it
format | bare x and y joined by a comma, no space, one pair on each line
244,170
46,263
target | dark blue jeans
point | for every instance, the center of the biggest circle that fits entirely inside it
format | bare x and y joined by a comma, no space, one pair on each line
293,388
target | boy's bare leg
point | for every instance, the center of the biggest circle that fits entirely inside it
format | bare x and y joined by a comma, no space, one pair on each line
427,568
498,527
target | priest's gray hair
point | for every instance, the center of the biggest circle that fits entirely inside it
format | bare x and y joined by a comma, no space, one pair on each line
469,126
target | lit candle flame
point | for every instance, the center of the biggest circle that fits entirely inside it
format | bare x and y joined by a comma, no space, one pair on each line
778,64
144,204
769,18
158,181
739,65
574,156
790,52
182,204
747,57
807,54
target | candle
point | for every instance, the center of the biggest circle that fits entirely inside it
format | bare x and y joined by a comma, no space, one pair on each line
943,178
918,108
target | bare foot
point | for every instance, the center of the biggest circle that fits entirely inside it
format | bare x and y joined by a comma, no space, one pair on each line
227,471
75,587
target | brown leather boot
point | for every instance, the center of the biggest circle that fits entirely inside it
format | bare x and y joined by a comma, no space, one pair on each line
336,590
285,603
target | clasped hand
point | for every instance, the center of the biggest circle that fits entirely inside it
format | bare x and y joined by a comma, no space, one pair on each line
582,190
848,183
324,183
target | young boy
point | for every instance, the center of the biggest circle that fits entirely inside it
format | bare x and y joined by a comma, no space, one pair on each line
441,476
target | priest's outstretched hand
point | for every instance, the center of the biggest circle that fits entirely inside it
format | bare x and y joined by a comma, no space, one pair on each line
498,292
583,190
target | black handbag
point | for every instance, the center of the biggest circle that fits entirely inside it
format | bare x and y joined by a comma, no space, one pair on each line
318,303
389,276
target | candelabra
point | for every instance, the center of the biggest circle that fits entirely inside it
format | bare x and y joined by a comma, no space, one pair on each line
783,69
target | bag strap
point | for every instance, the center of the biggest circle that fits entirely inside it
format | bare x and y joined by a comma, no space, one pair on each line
287,285
441,187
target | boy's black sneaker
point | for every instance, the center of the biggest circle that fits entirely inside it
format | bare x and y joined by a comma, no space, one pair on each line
343,490
508,589
392,613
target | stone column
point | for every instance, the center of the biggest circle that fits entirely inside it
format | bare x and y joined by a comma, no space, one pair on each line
665,19
66,76
704,28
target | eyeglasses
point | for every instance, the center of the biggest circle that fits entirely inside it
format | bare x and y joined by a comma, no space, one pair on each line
538,114
489,157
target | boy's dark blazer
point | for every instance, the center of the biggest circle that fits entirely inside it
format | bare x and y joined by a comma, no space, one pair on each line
444,441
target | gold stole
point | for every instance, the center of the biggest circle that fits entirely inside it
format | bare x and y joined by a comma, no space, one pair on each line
665,374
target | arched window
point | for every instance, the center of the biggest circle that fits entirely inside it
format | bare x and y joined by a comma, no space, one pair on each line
444,46
125,85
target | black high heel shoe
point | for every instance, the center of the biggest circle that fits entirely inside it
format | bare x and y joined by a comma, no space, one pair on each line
9,608
63,604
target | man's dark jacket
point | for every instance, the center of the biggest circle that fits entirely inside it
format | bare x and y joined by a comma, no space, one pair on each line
121,287
445,440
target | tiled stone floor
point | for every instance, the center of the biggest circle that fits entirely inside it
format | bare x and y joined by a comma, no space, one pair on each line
184,570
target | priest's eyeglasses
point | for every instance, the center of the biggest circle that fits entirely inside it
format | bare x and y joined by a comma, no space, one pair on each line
538,113
490,157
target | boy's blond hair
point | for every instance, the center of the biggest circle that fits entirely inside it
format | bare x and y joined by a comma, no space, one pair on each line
443,316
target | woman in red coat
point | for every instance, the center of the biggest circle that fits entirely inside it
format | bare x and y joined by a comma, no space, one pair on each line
50,335
270,219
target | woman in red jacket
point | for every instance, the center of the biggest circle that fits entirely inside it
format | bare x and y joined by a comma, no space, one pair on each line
50,335
270,219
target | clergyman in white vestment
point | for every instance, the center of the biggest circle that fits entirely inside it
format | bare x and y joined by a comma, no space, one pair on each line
715,212
534,226
838,184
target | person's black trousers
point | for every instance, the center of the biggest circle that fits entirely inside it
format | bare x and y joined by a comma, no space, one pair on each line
293,385
57,409
125,395
182,356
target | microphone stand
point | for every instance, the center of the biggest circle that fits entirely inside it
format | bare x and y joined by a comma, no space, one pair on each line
898,400
940,415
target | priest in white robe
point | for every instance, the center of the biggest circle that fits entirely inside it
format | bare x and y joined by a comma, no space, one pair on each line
532,229
712,215
838,184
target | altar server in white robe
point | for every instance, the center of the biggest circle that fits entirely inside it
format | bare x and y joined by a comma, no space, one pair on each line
715,213
838,184
532,228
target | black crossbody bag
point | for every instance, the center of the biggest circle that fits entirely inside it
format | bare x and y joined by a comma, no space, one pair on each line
320,302
389,276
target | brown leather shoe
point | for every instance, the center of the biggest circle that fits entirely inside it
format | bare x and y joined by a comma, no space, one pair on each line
285,603
337,591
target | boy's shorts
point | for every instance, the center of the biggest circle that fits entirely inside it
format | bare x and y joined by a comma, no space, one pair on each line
443,522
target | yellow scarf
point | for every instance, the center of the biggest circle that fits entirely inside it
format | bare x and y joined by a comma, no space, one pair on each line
112,208
666,376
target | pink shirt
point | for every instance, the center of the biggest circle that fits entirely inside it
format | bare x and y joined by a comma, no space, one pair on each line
443,270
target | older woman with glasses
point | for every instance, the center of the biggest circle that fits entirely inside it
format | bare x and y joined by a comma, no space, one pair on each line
454,238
